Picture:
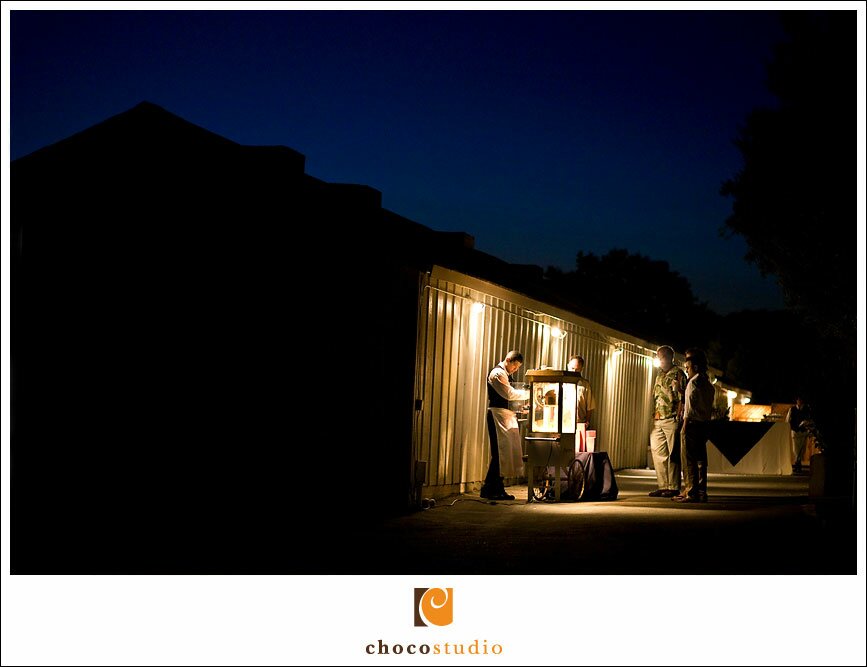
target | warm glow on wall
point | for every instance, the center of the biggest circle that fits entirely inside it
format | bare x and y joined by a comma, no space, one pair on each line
477,308
656,362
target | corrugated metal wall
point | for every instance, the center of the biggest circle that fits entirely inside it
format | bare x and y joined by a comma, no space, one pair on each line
466,326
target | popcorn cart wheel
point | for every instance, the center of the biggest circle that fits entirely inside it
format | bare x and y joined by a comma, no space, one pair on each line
543,491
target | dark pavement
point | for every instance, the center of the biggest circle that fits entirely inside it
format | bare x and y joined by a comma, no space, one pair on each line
751,525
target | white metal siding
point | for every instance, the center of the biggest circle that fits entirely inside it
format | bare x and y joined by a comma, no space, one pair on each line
458,345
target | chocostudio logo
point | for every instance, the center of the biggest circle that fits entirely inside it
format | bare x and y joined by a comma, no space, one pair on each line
433,606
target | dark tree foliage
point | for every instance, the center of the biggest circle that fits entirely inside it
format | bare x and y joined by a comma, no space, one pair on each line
794,199
768,352
794,202
636,294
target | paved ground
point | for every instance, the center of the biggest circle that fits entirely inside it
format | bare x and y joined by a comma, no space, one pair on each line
751,525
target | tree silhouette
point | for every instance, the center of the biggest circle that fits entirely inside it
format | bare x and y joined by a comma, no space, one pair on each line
794,204
636,294
769,353
794,199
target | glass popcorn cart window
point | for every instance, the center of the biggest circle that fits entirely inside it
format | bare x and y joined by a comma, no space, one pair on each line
570,402
546,403
546,407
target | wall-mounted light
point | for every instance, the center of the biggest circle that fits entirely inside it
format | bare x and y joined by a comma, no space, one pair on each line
656,362
618,350
732,394
557,332
745,400
713,381
477,308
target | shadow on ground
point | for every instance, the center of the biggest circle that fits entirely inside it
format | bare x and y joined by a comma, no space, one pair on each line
752,525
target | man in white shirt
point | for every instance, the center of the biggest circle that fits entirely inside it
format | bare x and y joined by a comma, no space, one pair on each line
503,428
799,418
697,413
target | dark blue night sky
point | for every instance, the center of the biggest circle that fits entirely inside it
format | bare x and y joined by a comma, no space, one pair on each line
538,133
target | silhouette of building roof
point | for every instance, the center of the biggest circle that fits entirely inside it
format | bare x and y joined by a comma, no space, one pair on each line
154,138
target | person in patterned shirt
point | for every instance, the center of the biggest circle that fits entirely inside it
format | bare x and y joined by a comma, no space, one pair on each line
668,393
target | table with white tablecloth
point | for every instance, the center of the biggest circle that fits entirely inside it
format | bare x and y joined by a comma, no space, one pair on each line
750,448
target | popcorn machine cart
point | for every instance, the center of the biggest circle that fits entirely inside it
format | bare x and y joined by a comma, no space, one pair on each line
551,432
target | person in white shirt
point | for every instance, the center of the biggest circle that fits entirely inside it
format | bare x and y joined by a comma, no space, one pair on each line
697,413
800,419
503,428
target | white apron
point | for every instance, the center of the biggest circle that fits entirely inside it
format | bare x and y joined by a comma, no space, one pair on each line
508,442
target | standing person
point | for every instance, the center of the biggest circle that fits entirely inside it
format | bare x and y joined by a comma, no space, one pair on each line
698,411
503,428
586,402
799,418
668,390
